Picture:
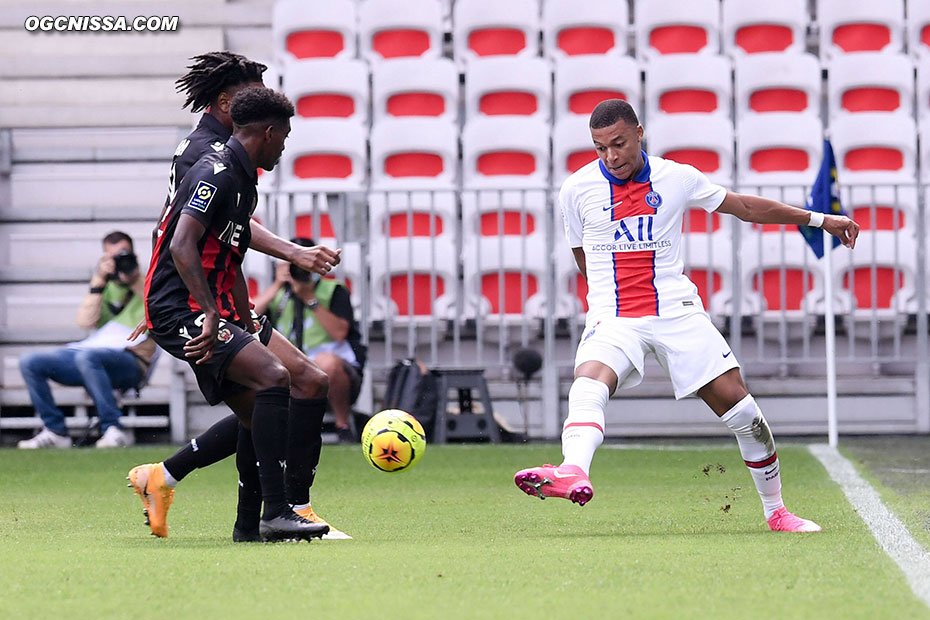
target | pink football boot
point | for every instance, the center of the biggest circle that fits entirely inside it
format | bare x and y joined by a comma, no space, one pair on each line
566,481
784,521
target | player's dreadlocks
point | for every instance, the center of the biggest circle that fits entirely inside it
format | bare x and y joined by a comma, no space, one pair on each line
212,73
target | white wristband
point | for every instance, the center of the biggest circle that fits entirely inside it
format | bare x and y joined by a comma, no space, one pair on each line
816,219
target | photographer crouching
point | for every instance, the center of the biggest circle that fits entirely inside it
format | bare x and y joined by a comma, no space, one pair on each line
102,362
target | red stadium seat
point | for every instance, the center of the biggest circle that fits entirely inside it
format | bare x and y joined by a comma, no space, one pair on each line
387,33
847,26
752,27
330,88
677,27
572,28
786,82
582,82
871,82
510,86
415,87
326,32
697,83
492,28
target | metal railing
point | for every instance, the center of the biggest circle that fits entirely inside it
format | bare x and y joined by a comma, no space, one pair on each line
434,277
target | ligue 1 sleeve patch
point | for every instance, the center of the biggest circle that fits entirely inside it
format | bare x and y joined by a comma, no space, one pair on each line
203,195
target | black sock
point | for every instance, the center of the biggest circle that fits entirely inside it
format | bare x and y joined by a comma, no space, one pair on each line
249,509
269,436
304,443
209,447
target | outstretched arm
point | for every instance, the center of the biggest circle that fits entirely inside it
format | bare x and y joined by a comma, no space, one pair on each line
318,259
760,210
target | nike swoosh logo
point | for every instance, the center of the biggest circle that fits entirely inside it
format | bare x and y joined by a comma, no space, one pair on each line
727,354
558,475
770,471
616,204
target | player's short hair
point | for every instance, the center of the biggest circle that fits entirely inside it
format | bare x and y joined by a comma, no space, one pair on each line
213,73
609,111
115,237
258,104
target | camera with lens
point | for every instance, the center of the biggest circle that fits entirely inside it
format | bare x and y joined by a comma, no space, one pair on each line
126,262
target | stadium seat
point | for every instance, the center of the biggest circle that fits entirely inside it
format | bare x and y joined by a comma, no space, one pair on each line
324,155
511,152
572,147
413,280
779,148
677,27
694,83
752,27
925,150
328,88
923,89
701,140
871,82
413,153
422,213
507,213
708,260
886,153
415,87
328,31
877,280
783,281
860,26
572,28
918,28
505,277
508,86
494,28
581,82
386,31
782,82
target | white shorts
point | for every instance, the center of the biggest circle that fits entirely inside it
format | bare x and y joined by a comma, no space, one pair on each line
688,346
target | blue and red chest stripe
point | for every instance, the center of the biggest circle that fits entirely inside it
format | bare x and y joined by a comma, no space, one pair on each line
634,272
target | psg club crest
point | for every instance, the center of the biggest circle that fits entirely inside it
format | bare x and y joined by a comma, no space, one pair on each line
654,200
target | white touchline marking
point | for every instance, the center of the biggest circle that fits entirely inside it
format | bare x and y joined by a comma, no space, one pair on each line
887,529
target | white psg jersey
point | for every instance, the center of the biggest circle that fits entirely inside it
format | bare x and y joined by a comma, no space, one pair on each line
631,235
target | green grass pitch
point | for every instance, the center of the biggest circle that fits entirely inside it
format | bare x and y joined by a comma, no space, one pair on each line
452,538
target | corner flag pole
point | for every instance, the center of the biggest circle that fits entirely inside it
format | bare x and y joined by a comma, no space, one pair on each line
830,325
825,198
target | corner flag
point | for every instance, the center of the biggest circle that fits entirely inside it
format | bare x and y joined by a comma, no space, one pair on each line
825,198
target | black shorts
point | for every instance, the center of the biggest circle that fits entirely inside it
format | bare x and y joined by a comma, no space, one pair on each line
211,375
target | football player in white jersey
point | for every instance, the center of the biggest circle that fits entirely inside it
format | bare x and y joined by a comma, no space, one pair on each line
623,217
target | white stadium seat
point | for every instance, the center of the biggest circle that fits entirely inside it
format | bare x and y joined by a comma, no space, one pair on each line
414,153
505,152
508,86
677,27
415,87
779,148
328,88
752,27
777,82
886,153
918,28
328,30
494,28
581,82
387,31
693,83
860,26
572,28
324,155
871,82
704,141
572,147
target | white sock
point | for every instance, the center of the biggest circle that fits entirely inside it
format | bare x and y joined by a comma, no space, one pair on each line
583,431
297,507
169,479
757,446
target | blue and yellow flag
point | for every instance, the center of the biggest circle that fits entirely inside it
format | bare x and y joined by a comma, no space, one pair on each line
825,198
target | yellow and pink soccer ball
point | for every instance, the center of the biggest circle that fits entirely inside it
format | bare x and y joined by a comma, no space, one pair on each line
393,441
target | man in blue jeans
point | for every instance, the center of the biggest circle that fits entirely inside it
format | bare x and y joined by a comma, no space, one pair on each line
101,362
